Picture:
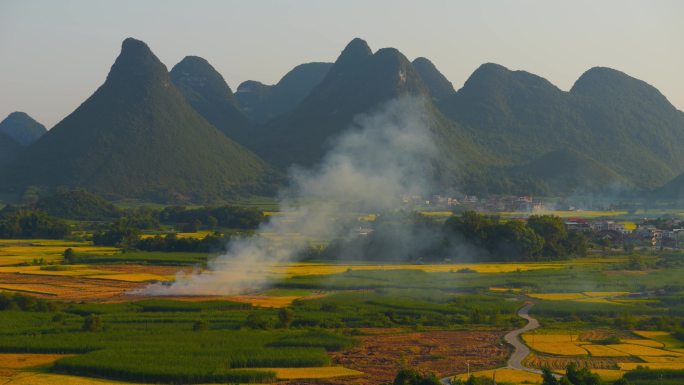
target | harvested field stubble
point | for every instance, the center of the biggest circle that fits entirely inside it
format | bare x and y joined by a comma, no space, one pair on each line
379,356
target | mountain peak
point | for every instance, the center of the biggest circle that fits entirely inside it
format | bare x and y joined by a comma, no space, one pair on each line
197,73
138,136
498,79
355,52
438,85
209,94
22,128
136,64
599,81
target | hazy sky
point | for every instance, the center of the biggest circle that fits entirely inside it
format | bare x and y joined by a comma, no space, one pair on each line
54,54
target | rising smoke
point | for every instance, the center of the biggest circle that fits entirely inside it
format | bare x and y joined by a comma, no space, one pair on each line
380,158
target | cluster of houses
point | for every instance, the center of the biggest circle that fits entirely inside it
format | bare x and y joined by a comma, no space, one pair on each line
524,203
616,231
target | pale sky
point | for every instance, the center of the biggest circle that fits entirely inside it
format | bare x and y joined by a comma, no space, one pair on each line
54,54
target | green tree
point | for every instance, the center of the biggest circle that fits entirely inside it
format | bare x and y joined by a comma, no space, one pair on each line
121,233
93,323
285,317
548,378
69,256
256,320
212,222
413,377
552,229
200,325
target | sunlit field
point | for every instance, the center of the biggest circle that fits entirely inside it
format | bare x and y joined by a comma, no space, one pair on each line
506,375
17,251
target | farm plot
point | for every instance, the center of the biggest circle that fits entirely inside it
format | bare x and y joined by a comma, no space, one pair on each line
312,373
640,350
300,269
603,351
380,356
556,344
16,251
539,361
506,375
588,296
22,361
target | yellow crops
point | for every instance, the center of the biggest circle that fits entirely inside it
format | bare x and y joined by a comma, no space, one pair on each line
312,373
650,334
20,361
639,350
30,378
655,359
557,344
603,351
16,251
587,296
604,293
558,296
506,375
326,269
649,343
505,289
135,277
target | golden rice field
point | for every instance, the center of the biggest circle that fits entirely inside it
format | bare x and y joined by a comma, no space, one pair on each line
437,213
649,343
264,300
134,277
639,350
656,359
505,289
604,293
17,251
552,338
21,361
196,235
312,373
558,296
650,334
589,296
34,378
556,344
326,269
506,375
603,351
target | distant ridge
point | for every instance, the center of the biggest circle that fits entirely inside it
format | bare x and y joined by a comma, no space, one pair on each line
623,123
22,128
209,94
438,85
357,82
263,102
137,137
503,131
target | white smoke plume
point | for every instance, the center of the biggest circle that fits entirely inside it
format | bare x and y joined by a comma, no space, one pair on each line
380,158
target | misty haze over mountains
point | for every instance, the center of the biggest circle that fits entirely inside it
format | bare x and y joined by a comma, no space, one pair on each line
184,136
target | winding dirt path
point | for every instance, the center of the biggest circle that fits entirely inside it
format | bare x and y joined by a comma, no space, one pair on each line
520,350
